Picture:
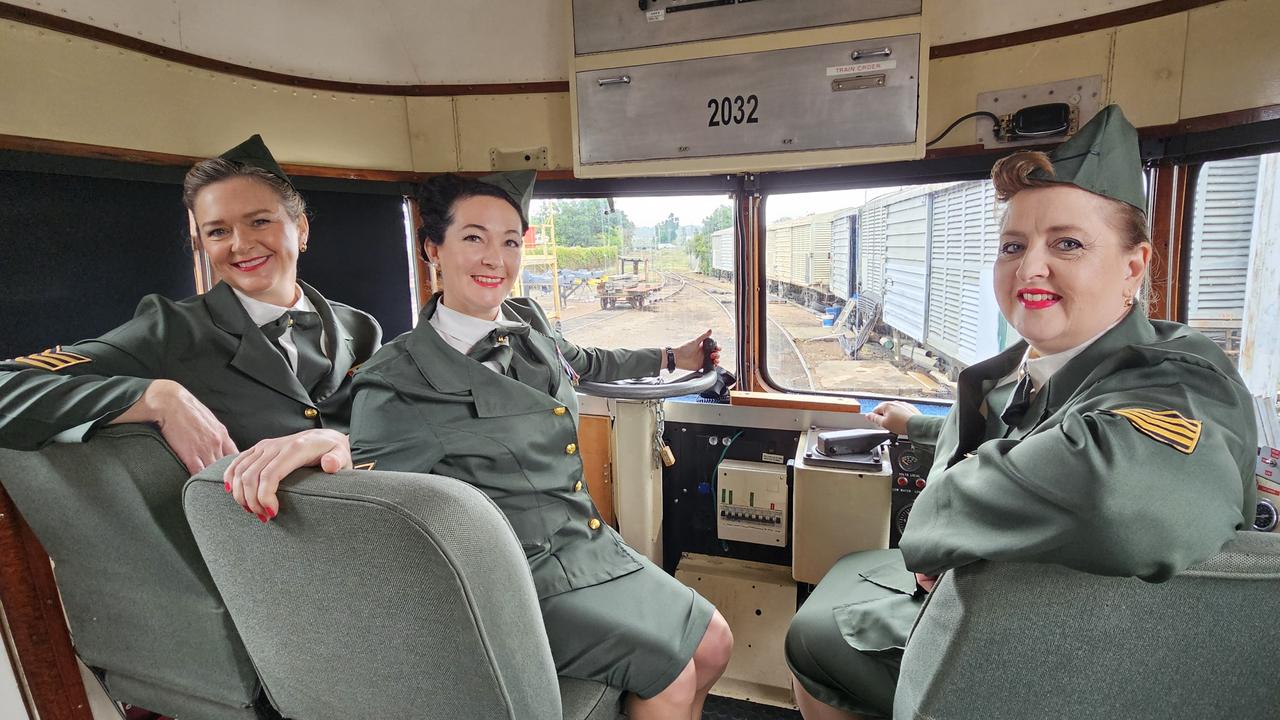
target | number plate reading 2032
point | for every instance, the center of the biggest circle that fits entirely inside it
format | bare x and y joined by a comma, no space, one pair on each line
735,110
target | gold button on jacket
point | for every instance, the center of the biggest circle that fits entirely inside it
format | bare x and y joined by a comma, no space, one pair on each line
570,449
560,410
594,524
577,487
310,413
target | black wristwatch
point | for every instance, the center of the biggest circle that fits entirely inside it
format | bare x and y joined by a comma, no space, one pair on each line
671,359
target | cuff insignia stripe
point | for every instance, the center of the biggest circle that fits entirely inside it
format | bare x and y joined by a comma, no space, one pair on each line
366,466
54,359
1165,426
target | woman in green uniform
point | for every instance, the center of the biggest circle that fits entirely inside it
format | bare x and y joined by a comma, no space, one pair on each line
1103,441
260,356
482,390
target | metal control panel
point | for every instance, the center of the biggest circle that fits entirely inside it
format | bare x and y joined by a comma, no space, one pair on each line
608,25
752,502
853,94
910,469
836,512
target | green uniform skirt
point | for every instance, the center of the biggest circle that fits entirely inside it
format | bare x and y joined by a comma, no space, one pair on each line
636,632
845,643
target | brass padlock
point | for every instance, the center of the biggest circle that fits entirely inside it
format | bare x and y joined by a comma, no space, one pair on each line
668,457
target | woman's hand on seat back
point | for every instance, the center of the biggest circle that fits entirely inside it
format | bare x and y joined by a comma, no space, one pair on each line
190,429
254,476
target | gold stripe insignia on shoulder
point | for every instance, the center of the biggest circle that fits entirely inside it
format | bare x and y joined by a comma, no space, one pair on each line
54,359
1166,426
352,371
366,466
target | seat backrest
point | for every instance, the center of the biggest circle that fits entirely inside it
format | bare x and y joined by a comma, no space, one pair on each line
380,594
1017,640
143,611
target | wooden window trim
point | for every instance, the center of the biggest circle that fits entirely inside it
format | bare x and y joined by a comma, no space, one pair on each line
36,622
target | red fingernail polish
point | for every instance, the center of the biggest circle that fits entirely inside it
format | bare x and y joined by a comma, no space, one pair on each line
227,485
262,518
271,513
248,510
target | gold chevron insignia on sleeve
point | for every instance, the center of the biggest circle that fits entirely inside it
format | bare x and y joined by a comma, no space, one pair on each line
366,466
54,359
1166,426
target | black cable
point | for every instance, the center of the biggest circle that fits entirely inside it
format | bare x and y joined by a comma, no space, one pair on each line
962,118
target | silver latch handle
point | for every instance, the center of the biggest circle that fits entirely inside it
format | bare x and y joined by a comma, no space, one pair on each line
859,54
620,80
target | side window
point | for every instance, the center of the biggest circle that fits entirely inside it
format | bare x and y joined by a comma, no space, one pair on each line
1233,265
634,272
885,291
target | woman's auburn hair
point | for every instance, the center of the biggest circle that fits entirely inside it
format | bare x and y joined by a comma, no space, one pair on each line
1011,175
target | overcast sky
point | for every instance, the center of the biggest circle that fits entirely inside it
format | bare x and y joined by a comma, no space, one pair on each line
691,209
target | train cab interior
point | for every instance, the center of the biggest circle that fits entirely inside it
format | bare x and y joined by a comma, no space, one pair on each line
809,180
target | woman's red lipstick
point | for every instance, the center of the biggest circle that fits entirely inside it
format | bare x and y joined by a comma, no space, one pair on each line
1037,298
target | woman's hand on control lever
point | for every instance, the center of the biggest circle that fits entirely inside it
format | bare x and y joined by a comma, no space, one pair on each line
892,415
691,355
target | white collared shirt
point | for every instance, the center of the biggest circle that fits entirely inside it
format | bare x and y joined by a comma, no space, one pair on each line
461,331
262,313
1042,367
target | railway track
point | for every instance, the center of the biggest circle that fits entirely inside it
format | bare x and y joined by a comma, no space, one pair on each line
675,284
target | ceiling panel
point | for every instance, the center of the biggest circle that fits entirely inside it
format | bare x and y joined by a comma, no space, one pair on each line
409,42
426,42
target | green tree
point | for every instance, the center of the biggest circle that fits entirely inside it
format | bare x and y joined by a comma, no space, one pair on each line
700,244
667,230
584,223
700,247
719,219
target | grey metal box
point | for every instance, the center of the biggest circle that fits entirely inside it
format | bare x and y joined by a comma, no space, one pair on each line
607,25
852,94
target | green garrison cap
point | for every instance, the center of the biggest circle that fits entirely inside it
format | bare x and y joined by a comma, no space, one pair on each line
518,184
254,153
1102,157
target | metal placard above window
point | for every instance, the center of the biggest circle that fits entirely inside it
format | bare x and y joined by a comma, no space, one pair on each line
843,95
608,25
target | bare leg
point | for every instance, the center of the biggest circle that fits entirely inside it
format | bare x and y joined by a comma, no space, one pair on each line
710,659
673,702
684,697
814,709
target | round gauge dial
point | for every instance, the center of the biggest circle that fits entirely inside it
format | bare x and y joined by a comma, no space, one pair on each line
1265,518
900,520
909,462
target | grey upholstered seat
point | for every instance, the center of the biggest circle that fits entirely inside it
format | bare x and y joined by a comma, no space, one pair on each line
143,611
383,594
1013,640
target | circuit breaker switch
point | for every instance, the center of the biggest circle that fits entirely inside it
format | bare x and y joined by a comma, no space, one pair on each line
752,522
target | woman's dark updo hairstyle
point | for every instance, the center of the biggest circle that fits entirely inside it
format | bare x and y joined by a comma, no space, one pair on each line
437,196
207,172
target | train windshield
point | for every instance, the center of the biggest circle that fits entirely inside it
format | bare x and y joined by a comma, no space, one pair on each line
635,271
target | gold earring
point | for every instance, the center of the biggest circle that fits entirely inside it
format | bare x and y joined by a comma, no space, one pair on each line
1128,301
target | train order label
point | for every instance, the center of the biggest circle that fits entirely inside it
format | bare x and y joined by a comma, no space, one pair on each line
736,110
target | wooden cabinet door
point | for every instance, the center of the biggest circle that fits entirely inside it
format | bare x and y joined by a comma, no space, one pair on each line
597,463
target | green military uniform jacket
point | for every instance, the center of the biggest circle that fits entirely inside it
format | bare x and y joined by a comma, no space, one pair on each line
422,406
1134,459
209,345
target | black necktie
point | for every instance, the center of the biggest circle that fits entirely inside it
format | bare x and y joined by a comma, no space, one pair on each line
509,347
1019,401
312,363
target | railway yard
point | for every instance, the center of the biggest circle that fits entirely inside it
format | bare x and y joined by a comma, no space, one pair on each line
802,354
